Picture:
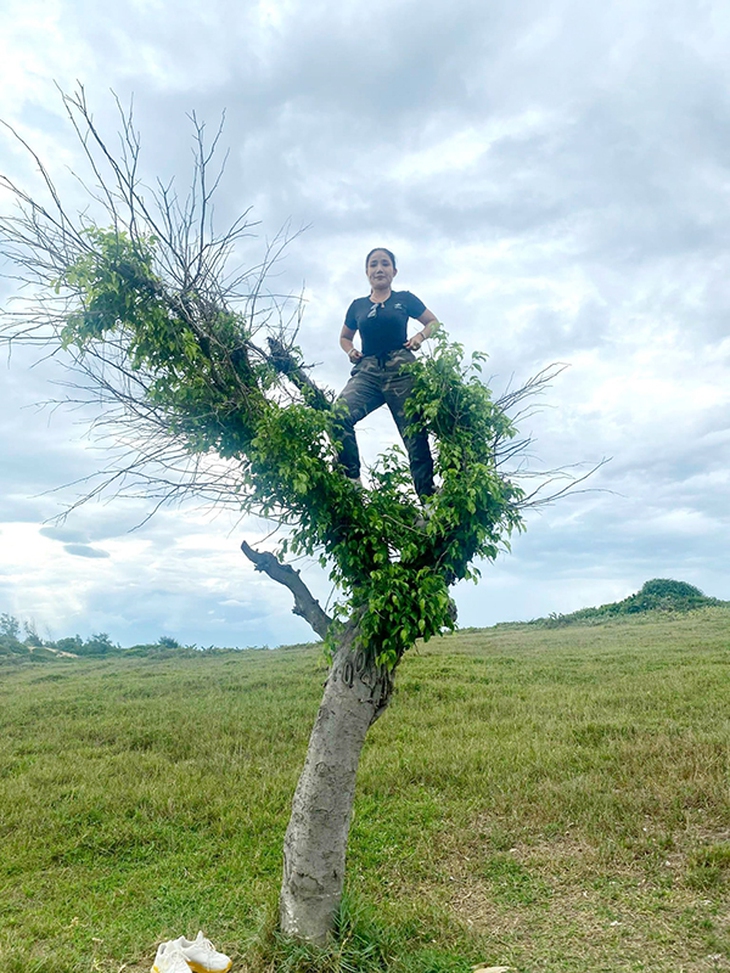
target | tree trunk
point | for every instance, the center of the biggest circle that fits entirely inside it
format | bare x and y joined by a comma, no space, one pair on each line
355,694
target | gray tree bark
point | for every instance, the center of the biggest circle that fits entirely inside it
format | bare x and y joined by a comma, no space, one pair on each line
355,694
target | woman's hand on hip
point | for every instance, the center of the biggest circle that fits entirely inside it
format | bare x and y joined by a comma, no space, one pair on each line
414,343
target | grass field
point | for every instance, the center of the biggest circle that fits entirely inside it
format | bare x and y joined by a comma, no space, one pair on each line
552,800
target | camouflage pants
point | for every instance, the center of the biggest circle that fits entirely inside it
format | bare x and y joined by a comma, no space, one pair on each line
381,381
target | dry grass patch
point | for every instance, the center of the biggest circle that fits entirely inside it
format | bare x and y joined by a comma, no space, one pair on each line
554,903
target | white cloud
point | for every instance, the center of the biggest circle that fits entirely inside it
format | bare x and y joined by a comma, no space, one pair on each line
553,178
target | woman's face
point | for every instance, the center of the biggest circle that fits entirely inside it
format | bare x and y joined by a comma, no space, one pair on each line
380,270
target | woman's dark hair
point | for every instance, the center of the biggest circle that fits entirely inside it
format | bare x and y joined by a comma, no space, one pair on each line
385,250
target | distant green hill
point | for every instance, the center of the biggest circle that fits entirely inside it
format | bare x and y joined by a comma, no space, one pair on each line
659,594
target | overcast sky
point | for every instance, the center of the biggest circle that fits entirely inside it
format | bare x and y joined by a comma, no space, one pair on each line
553,177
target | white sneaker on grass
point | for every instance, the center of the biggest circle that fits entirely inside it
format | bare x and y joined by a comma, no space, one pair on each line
170,959
201,955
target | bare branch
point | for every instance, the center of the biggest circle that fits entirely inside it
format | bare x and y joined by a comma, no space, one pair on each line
538,497
305,604
534,386
284,361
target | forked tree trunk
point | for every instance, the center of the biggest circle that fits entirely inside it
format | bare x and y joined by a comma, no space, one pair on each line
355,694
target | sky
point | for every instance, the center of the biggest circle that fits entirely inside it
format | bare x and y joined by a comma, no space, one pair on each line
554,179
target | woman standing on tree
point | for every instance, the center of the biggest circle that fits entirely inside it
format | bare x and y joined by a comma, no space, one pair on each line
378,377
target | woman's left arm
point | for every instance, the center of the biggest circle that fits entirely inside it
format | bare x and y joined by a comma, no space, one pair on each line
430,323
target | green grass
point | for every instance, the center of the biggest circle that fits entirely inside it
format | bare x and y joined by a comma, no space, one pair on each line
551,800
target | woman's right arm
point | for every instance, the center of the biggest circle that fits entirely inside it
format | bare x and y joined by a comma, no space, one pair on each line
346,336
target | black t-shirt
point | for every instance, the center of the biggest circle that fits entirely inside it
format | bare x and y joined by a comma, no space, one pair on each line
383,327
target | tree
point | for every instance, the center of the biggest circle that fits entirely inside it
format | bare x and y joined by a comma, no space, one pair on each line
200,380
9,626
10,643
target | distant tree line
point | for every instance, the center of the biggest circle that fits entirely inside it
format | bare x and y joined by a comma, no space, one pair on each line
21,640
